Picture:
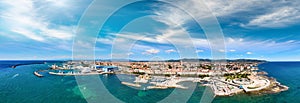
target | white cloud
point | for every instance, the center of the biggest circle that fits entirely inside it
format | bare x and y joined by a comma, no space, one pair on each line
264,46
232,50
24,18
171,16
249,53
199,51
151,51
222,50
170,51
279,18
28,34
232,44
176,32
130,53
272,14
178,37
58,3
105,40
200,8
221,7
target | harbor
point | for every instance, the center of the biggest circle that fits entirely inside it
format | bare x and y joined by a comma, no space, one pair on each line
75,69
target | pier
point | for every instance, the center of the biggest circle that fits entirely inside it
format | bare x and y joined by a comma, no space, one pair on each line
157,87
131,84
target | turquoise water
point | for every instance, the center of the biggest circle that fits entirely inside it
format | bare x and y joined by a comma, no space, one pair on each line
19,85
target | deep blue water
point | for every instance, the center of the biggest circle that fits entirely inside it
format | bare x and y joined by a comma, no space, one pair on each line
19,85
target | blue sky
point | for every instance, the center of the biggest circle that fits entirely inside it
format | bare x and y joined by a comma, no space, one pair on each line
265,29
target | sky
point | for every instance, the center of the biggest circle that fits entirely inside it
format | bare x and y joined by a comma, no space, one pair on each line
149,30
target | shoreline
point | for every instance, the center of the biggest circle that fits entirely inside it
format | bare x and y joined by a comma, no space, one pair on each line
227,82
272,85
269,88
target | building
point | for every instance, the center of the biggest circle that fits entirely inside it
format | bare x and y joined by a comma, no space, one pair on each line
107,68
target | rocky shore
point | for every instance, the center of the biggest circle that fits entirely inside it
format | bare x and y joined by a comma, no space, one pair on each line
275,87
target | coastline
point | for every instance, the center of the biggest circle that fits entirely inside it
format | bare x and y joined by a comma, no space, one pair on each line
257,82
284,75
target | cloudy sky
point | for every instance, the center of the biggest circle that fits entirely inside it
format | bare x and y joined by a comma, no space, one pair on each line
166,29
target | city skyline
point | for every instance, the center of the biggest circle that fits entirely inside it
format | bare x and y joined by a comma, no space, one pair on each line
257,30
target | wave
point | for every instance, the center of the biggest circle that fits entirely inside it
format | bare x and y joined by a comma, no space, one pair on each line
15,76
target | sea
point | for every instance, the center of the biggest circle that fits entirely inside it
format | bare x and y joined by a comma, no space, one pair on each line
20,85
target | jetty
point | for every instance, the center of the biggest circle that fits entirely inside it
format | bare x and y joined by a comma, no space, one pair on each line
14,66
171,83
157,87
131,84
